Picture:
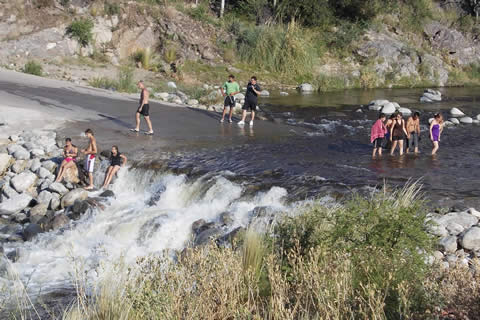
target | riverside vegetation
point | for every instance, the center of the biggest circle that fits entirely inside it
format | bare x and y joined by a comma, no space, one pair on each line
367,258
330,44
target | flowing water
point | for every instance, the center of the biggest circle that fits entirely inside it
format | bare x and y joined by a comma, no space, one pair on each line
326,153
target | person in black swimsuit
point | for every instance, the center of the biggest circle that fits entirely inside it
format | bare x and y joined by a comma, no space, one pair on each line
398,133
143,110
117,160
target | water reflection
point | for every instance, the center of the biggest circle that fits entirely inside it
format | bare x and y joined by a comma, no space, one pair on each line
247,131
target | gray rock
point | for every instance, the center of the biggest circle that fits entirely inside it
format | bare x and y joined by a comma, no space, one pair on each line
405,111
107,194
388,108
60,221
198,226
463,219
448,244
21,154
466,120
9,192
80,207
35,165
474,212
438,255
29,146
454,229
204,237
76,194
14,138
44,197
5,161
31,231
284,94
456,112
433,95
192,102
19,166
471,239
55,202
162,95
15,204
264,93
58,188
39,210
36,153
226,218
43,173
14,147
23,181
454,121
49,165
425,99
171,85
45,185
305,87
239,96
19,217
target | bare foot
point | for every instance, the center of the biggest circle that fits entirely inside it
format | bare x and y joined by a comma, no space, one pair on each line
89,188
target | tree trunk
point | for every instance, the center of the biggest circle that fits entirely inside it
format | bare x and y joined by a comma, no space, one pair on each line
222,8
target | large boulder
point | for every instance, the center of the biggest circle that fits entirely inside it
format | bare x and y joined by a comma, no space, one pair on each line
376,105
456,112
20,166
43,173
305,87
15,204
76,194
58,188
454,121
71,175
448,244
388,108
35,164
471,239
31,231
39,210
433,95
466,120
23,181
405,111
21,154
5,161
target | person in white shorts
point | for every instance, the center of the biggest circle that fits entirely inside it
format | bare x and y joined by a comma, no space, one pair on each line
90,155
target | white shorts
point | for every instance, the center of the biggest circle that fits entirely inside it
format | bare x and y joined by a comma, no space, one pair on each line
89,163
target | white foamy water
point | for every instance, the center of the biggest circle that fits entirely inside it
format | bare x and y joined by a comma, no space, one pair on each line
151,212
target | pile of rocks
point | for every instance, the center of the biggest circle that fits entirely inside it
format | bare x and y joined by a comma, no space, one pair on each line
387,107
459,234
459,117
30,201
430,95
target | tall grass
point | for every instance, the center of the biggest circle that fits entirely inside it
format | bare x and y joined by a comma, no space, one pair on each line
143,56
32,67
124,82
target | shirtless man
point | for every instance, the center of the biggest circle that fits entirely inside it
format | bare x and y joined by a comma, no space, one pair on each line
90,154
143,109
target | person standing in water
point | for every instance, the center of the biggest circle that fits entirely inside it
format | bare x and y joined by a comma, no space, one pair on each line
251,100
229,90
377,135
117,160
69,157
90,155
436,128
397,133
413,132
387,143
143,109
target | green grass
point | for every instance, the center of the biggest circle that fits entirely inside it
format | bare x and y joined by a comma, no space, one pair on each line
32,67
123,83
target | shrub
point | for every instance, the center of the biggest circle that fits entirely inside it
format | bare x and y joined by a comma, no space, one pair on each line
32,67
111,8
65,3
81,30
143,56
125,80
170,54
44,3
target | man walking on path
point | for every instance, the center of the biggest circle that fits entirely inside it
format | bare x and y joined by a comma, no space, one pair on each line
90,155
229,90
251,100
143,109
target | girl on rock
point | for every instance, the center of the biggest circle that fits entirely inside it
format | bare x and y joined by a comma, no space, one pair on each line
70,152
436,128
398,133
117,160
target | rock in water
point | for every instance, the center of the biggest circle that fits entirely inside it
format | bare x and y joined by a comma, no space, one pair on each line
23,181
107,194
405,111
5,161
31,231
425,99
471,239
456,112
433,95
58,188
80,207
388,108
76,194
467,120
15,204
454,121
305,87
59,221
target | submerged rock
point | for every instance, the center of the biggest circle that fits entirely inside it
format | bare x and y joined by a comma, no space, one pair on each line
59,221
31,231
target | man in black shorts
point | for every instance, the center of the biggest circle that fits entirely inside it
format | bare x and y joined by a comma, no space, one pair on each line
251,100
143,109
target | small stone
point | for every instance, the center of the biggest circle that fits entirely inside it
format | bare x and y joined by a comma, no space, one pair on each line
264,93
171,85
192,102
284,94
305,87
438,255
448,244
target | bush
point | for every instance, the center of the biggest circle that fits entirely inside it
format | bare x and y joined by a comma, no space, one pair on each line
143,56
111,8
170,54
123,83
44,3
32,67
81,30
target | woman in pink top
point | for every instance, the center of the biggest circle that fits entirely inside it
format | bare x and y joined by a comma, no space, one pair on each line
377,134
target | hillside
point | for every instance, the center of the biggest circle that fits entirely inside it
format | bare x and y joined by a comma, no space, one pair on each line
333,45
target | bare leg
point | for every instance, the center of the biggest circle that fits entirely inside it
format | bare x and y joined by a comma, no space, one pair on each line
110,175
137,121
107,174
90,180
394,146
231,113
380,151
61,171
435,147
374,152
416,149
244,115
253,115
149,123
224,113
400,146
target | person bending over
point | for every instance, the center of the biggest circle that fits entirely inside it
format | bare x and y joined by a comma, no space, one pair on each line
117,160
69,157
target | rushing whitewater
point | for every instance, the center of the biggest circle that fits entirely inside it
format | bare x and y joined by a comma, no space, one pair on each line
151,211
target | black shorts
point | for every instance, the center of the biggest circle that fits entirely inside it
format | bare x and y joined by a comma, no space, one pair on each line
398,138
145,110
250,105
378,143
229,102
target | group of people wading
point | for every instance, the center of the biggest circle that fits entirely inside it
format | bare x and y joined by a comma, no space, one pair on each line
396,132
70,155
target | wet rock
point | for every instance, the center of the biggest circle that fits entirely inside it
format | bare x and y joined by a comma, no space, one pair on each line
471,239
433,95
70,198
448,244
454,121
107,194
59,221
388,108
5,161
14,255
305,87
58,188
80,207
231,238
206,236
15,204
226,218
23,181
425,99
456,112
201,225
31,231
20,217
466,120
405,111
